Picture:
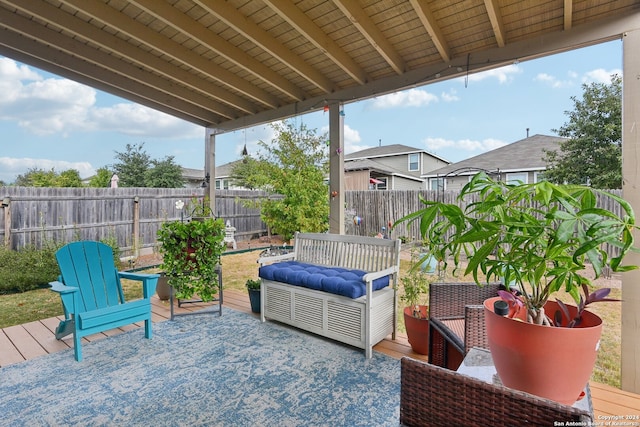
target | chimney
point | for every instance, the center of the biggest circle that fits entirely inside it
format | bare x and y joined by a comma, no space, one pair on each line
527,132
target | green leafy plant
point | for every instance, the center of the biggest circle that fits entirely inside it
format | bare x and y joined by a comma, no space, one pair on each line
191,253
415,285
253,284
537,236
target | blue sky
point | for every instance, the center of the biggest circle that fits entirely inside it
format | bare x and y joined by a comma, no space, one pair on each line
50,122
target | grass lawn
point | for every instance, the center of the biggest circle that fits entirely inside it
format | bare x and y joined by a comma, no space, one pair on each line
42,303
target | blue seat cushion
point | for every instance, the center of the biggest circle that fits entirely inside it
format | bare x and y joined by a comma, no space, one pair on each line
335,280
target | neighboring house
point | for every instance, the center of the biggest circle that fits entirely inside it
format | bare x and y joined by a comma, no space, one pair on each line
195,177
521,161
389,167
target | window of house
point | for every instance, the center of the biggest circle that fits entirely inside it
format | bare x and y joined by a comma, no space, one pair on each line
539,176
414,162
222,184
382,185
436,184
517,178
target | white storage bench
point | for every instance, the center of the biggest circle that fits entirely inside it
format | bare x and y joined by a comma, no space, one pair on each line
317,287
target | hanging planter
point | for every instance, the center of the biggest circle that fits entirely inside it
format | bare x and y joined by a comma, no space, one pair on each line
191,253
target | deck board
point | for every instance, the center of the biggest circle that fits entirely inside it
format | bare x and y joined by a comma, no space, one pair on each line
34,339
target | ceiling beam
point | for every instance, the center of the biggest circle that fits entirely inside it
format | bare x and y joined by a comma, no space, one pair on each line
314,34
493,10
121,22
46,57
568,14
230,16
57,18
184,24
429,22
370,31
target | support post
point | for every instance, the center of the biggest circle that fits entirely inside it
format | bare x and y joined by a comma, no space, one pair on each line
210,169
136,226
336,168
6,207
630,368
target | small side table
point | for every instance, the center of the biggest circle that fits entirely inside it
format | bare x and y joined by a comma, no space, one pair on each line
479,364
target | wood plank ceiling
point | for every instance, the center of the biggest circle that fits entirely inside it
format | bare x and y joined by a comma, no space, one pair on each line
230,64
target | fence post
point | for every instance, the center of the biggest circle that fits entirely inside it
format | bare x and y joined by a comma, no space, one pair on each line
6,207
136,226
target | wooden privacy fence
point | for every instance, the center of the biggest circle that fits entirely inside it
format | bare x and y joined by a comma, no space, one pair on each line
33,215
377,209
131,216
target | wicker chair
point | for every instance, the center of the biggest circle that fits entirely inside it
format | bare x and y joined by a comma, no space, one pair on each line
433,396
456,319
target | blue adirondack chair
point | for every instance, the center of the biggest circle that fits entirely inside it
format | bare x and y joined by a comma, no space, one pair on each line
91,292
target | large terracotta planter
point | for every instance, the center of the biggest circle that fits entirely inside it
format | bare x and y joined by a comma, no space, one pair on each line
550,362
417,329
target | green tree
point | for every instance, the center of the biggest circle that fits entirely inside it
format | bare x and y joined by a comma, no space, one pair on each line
102,178
293,165
69,178
164,173
593,153
132,166
36,177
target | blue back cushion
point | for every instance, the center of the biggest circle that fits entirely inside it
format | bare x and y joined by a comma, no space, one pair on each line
335,280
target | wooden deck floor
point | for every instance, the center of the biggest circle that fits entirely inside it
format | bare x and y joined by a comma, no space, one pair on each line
23,342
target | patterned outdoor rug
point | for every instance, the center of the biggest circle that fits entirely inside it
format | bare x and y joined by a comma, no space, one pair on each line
205,370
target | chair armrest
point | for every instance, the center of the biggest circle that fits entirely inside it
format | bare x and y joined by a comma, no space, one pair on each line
61,288
137,276
277,258
149,281
378,274
475,333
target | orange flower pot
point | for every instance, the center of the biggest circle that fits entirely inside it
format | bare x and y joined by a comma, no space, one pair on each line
417,329
550,362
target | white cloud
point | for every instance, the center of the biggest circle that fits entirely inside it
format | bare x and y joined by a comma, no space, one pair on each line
503,74
470,145
60,106
407,98
450,96
552,81
600,75
352,139
137,120
11,167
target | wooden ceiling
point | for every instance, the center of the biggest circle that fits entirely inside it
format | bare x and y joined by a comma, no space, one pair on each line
231,64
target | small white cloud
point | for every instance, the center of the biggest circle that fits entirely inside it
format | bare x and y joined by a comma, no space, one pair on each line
503,74
13,166
351,139
553,81
600,75
436,144
450,96
407,98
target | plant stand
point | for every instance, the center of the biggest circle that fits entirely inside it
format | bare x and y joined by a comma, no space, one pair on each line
216,308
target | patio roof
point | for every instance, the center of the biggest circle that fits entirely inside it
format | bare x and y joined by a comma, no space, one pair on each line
231,64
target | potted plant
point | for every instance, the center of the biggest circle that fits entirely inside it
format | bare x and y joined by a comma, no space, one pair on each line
416,313
538,237
253,287
191,252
